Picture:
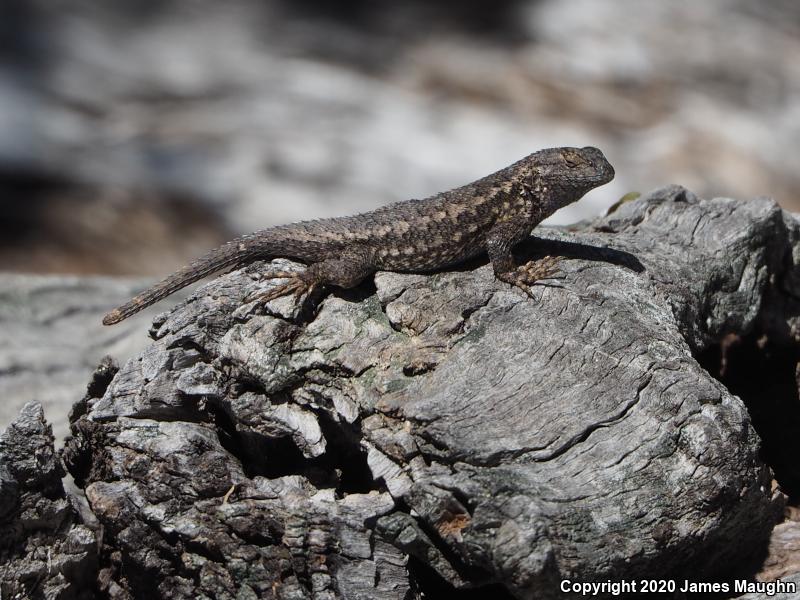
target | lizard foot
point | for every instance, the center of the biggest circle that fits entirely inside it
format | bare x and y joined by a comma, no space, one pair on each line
296,285
533,272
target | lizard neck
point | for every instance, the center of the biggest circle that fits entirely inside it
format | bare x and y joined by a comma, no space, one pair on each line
518,201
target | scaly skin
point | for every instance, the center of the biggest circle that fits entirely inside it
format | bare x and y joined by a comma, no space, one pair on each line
490,215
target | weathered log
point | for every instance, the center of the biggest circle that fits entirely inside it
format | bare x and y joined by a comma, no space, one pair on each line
45,549
448,432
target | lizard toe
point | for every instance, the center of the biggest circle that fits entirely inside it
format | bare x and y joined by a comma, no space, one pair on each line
294,285
536,270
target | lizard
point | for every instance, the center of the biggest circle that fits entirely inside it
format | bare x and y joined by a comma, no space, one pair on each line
490,215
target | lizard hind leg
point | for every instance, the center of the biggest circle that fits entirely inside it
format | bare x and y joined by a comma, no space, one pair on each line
345,272
296,285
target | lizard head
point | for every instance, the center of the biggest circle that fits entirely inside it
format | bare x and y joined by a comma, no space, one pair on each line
561,176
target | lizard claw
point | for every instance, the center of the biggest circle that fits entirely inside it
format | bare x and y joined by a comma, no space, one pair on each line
533,272
296,285
536,270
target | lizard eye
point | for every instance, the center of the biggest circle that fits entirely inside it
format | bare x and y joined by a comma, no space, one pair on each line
573,159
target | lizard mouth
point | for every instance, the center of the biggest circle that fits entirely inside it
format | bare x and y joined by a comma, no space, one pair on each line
605,172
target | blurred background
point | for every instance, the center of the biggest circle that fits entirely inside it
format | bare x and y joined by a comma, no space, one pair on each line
136,134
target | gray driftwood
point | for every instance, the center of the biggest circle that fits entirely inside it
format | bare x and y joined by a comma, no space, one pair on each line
447,431
46,550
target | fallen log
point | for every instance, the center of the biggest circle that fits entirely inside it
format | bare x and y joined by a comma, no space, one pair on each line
445,432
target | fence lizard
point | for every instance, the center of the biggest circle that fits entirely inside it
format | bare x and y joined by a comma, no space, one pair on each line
490,215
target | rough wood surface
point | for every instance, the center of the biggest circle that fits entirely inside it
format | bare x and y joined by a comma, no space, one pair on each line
46,551
447,431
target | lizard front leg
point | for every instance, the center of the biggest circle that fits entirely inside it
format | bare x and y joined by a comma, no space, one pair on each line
500,241
346,271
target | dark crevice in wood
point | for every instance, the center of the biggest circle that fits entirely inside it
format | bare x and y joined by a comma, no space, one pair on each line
345,455
472,573
765,376
427,583
343,465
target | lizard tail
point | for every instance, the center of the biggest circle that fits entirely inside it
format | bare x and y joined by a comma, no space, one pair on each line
235,252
